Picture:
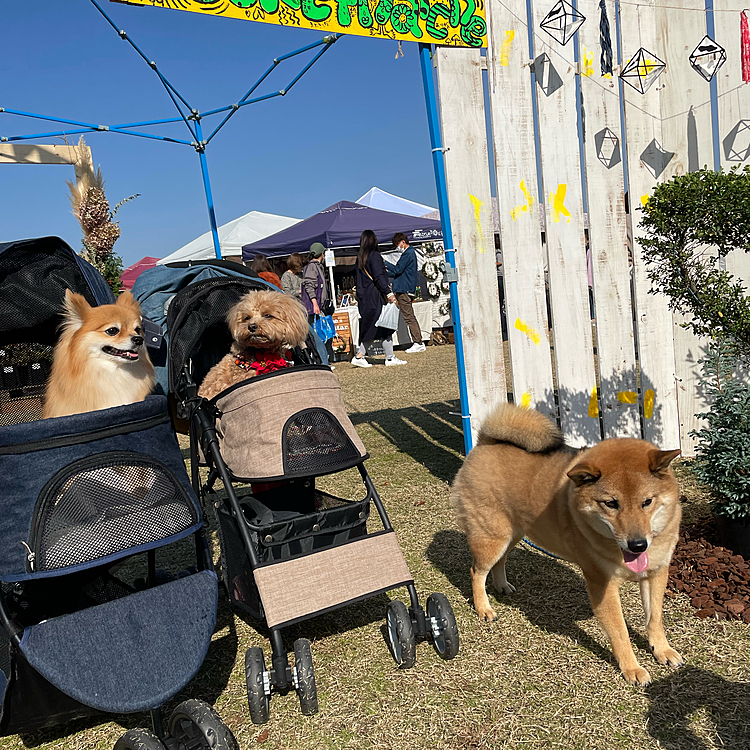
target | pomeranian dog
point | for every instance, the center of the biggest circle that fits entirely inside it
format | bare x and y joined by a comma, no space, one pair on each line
100,360
613,510
264,325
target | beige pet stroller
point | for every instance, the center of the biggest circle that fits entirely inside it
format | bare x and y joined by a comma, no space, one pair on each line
289,552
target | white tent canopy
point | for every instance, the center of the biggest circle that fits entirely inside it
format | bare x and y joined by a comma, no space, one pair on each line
377,198
232,236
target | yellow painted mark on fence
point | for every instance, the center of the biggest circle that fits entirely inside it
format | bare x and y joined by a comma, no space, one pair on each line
593,404
644,200
648,403
557,201
607,75
505,47
525,400
627,397
525,328
481,244
523,207
646,66
588,63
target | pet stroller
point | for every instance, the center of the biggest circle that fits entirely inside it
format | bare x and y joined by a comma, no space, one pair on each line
288,551
88,624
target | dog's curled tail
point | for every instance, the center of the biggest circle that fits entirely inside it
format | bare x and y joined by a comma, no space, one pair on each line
525,428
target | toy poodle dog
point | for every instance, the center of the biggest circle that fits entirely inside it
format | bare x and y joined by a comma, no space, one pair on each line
264,325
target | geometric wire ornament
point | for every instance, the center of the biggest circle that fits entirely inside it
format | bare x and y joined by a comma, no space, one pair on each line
708,57
655,158
546,76
642,70
737,142
607,148
562,21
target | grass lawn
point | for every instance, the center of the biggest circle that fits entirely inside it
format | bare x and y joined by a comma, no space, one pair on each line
541,676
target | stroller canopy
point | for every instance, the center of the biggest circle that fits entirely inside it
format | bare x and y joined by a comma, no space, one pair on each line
34,275
191,301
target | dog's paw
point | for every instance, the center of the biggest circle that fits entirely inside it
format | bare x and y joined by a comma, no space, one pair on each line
667,656
486,614
505,588
637,676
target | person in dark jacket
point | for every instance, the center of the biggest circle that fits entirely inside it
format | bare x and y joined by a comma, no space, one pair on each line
404,275
373,290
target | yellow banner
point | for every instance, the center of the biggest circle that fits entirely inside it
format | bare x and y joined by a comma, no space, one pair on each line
456,23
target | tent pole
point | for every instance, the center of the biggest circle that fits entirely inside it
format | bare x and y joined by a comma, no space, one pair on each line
333,287
438,161
200,147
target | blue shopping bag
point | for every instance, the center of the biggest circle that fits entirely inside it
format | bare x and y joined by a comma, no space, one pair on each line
324,327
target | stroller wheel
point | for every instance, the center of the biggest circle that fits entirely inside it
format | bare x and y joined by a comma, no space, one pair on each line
195,724
256,678
443,625
401,639
305,677
139,739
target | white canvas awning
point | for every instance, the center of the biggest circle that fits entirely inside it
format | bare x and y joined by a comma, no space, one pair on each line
377,198
233,235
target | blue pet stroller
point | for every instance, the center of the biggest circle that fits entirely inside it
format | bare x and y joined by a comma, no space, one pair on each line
289,551
88,624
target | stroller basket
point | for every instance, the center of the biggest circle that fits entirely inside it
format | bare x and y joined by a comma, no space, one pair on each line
283,535
298,423
24,369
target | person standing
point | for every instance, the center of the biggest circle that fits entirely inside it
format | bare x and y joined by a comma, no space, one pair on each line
262,267
291,279
315,295
404,275
372,290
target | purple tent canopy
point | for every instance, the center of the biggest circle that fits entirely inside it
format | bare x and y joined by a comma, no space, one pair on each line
340,226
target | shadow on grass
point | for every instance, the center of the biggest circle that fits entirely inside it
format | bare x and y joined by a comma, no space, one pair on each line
428,433
676,698
551,595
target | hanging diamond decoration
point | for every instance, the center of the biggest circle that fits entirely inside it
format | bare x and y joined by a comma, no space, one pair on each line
642,70
655,158
737,142
546,76
562,21
708,57
607,148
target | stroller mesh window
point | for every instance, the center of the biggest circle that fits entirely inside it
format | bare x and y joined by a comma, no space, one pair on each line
314,442
24,369
106,504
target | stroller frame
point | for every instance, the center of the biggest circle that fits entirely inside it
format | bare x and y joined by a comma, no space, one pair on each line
405,626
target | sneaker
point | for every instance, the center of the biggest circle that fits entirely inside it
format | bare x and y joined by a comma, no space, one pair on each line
360,362
395,361
415,348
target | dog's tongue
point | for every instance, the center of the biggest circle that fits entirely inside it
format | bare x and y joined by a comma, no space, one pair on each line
636,563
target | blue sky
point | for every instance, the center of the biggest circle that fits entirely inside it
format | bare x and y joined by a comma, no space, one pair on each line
355,120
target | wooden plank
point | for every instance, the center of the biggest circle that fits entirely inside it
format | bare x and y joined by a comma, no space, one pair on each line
734,106
658,392
608,233
468,180
687,131
523,255
555,70
24,153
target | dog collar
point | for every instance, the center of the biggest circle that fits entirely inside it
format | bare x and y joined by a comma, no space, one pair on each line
262,362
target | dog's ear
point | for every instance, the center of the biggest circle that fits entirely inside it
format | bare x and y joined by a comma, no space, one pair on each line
658,461
584,473
75,308
126,299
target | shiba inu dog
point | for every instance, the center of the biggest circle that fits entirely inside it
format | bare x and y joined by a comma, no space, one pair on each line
613,510
100,360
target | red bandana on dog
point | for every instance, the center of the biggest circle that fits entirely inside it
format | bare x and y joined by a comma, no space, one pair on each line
263,363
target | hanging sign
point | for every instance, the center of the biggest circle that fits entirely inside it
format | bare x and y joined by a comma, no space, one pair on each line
430,21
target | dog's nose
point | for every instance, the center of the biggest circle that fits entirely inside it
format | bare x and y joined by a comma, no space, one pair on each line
137,340
637,545
252,327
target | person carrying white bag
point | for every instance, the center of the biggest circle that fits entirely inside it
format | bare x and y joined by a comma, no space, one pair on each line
376,302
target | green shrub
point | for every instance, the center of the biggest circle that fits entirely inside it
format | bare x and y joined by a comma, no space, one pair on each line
722,459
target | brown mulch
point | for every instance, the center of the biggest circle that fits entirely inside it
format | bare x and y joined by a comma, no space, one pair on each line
715,579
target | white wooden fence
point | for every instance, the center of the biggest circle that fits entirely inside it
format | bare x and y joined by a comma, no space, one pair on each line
634,372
